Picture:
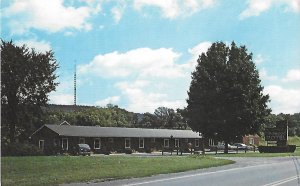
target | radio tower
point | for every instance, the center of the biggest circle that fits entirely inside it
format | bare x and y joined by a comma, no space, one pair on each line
75,84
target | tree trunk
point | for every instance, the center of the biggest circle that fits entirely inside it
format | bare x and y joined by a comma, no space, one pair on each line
226,147
12,117
203,146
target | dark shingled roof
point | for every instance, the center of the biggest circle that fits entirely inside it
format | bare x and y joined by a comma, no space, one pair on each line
95,131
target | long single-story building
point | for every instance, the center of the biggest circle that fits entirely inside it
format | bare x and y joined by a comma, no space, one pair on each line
63,138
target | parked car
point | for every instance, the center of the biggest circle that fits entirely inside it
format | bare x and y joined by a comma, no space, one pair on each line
82,149
221,147
240,146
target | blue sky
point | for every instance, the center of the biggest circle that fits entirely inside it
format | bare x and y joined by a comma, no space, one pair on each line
139,54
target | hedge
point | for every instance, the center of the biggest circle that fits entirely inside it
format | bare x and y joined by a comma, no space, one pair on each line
20,149
277,149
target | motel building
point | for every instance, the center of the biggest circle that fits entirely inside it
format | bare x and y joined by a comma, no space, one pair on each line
53,139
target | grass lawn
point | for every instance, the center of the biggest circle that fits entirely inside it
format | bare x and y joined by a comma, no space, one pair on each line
51,170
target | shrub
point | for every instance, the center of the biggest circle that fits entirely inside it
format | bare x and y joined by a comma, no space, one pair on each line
128,151
20,149
277,149
148,150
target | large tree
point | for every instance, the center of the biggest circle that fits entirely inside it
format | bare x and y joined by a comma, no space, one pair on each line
226,99
27,77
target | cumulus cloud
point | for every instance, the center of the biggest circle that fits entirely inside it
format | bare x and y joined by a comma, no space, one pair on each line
256,7
139,62
141,101
118,10
292,75
263,74
258,59
283,100
64,92
51,16
39,46
146,78
173,8
61,99
109,100
196,51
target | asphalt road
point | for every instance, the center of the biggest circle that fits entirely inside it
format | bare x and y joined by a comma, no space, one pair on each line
246,171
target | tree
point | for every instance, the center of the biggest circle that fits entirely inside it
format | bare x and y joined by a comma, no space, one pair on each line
166,117
225,96
27,78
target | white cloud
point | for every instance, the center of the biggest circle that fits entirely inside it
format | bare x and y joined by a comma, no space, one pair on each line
292,75
61,99
283,100
263,74
173,8
39,46
51,16
141,100
196,51
146,76
258,59
109,100
64,94
118,11
256,7
139,62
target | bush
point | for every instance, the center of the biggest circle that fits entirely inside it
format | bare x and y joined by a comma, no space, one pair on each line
277,149
20,149
128,151
148,150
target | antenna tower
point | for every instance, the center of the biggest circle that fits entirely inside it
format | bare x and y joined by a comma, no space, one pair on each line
75,84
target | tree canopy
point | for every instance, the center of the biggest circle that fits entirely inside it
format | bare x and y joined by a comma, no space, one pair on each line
225,99
113,116
27,77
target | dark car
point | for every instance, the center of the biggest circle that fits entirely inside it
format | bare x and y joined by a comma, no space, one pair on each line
82,149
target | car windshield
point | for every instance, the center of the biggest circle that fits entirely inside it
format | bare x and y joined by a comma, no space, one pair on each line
84,145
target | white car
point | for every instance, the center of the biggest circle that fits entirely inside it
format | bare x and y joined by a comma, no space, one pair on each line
240,146
222,147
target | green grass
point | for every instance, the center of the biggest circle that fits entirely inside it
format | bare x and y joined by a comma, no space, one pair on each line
295,140
53,170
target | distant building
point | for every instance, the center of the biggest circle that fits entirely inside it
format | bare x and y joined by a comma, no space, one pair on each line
251,140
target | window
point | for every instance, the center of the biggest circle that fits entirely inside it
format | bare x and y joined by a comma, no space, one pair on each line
166,142
196,142
64,144
251,141
97,143
211,142
176,142
152,140
81,140
186,140
127,142
41,144
110,140
141,143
